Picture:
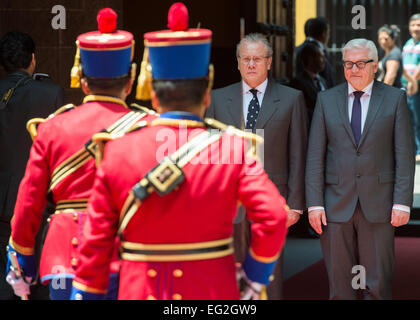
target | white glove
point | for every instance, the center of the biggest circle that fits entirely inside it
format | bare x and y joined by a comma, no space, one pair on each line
251,290
20,287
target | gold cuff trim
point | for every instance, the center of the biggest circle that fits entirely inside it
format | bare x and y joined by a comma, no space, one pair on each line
22,250
85,288
263,259
95,97
180,257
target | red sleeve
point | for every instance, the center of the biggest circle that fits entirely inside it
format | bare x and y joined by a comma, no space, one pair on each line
31,199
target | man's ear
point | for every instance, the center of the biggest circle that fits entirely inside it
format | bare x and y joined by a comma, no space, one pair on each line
129,86
84,85
154,99
207,98
33,62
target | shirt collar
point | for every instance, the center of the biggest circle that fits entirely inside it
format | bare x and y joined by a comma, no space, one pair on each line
261,88
180,115
367,90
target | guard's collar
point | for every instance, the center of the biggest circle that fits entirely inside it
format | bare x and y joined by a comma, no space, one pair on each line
179,119
104,98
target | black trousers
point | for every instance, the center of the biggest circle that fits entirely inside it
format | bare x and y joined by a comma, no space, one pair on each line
359,256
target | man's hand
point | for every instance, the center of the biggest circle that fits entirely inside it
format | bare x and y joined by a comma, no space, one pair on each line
399,217
315,218
20,286
250,290
293,216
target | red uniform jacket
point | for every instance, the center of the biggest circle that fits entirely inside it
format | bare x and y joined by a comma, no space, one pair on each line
201,210
59,138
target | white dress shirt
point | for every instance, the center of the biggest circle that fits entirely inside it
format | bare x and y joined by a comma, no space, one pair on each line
364,101
247,96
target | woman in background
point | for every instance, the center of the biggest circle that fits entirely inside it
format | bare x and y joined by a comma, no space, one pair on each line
390,67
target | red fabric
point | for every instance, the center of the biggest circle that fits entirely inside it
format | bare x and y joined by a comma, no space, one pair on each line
58,139
201,209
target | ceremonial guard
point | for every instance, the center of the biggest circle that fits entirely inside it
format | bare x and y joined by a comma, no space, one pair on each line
61,167
171,189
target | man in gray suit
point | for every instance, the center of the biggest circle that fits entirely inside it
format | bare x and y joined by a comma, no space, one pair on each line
360,175
258,103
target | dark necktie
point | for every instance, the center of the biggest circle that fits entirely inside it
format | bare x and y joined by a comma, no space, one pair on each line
356,116
253,110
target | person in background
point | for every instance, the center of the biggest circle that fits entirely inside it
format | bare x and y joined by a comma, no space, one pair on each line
317,31
411,75
390,66
21,98
309,81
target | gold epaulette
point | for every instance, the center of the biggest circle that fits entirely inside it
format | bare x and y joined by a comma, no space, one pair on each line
65,108
137,126
232,130
32,124
100,139
136,106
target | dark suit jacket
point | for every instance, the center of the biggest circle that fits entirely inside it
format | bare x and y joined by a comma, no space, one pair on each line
34,99
284,120
327,73
305,83
378,173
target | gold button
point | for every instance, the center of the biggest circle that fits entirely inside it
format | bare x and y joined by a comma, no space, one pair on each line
271,278
74,262
74,241
176,296
177,273
75,216
151,273
150,297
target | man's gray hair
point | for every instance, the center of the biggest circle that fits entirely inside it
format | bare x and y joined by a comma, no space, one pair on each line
255,37
361,44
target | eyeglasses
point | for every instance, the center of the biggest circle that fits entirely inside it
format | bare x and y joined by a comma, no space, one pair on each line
257,60
359,64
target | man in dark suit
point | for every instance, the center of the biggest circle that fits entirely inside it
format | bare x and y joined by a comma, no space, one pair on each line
22,98
309,81
317,31
360,175
258,103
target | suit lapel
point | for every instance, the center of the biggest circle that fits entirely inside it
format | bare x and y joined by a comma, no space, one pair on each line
342,100
374,104
234,106
268,105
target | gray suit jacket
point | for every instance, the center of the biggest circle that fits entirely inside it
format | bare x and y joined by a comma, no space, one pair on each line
379,172
284,120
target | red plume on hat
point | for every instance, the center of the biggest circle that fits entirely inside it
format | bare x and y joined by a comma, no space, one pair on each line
178,17
107,20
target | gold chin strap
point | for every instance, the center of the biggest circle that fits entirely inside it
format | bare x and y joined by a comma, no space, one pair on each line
76,71
144,81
